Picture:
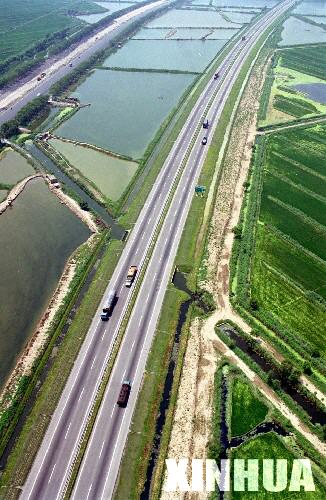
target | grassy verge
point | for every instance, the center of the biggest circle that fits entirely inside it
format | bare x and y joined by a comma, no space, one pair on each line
135,460
28,442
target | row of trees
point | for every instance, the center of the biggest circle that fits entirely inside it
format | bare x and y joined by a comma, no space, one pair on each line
25,116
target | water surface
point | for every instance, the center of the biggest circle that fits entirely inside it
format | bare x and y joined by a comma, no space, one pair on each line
111,8
194,18
297,32
14,167
123,125
37,236
315,7
110,174
184,55
184,34
245,3
315,91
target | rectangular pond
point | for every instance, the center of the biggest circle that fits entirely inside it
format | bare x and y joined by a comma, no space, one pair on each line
37,237
191,18
14,167
246,3
117,123
110,174
314,7
110,7
315,91
297,32
185,34
182,55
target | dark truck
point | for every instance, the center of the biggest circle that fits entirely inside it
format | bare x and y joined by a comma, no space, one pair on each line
205,124
109,305
124,394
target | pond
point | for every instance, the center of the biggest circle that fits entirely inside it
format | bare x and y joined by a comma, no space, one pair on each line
110,174
314,7
14,167
184,55
315,91
246,3
111,8
191,18
185,34
116,123
297,32
37,237
239,17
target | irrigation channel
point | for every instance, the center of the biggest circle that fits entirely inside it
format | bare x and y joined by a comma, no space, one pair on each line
315,413
117,231
179,281
32,398
234,442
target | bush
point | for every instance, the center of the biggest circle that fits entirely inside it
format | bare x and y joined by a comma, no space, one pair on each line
9,128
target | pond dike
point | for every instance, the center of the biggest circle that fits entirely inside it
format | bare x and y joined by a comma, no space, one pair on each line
117,231
315,413
16,191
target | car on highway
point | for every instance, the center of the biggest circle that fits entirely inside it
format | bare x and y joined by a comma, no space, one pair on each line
124,394
204,141
216,76
205,124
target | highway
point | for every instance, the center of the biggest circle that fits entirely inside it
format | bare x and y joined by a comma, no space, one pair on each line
97,477
57,67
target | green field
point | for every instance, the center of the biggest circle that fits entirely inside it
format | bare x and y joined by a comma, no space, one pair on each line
293,106
309,59
24,23
247,410
288,272
270,446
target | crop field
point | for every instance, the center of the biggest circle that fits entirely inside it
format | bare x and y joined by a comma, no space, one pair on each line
30,21
293,106
296,85
270,446
288,275
247,410
309,60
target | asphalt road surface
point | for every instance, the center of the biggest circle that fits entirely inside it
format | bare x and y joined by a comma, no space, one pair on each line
57,67
99,471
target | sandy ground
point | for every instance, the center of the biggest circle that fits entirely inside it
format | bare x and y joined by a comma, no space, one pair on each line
8,99
16,191
191,431
84,215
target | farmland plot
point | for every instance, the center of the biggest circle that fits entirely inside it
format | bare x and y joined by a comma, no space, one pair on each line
289,270
32,21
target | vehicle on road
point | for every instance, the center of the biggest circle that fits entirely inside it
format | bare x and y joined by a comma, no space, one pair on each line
124,394
216,76
204,141
243,38
131,276
109,305
41,76
205,124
